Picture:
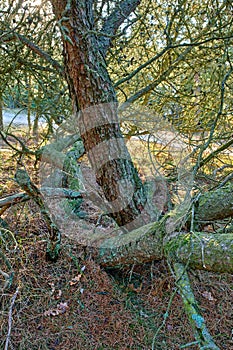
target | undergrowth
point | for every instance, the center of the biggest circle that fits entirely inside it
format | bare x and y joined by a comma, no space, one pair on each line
75,304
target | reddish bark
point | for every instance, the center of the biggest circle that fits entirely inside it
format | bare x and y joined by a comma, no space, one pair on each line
94,102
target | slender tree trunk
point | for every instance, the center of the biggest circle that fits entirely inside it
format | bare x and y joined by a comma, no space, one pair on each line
94,102
35,130
29,102
1,112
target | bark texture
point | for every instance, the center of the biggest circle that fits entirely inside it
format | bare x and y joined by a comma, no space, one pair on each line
201,333
203,251
94,102
214,205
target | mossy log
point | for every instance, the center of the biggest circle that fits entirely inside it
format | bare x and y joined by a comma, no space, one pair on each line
215,205
199,250
202,250
138,246
201,333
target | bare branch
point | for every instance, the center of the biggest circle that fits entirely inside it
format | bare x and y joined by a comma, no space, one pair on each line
157,81
13,199
24,150
201,332
162,52
10,318
215,153
142,66
41,53
113,22
36,49
48,192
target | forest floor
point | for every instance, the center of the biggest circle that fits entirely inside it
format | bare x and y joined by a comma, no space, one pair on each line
75,304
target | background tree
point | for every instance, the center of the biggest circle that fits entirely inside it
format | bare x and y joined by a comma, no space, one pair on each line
28,83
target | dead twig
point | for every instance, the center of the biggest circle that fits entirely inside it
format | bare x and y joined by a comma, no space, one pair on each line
10,318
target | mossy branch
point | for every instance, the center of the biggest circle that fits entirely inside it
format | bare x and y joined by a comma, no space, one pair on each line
197,322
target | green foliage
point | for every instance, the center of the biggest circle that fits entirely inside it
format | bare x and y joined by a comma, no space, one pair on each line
30,61
175,59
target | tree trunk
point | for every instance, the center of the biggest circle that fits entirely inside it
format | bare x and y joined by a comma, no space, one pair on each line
215,205
94,103
29,101
95,107
201,250
1,112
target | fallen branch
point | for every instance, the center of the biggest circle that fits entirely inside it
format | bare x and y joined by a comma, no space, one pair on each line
10,318
14,199
200,250
202,335
46,191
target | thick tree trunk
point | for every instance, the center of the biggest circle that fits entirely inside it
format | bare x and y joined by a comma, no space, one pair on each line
95,104
200,250
215,205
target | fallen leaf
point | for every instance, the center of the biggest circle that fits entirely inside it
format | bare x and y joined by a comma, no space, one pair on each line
208,295
60,309
58,295
52,287
75,280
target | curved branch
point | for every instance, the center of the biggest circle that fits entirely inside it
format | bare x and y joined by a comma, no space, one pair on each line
113,22
215,153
